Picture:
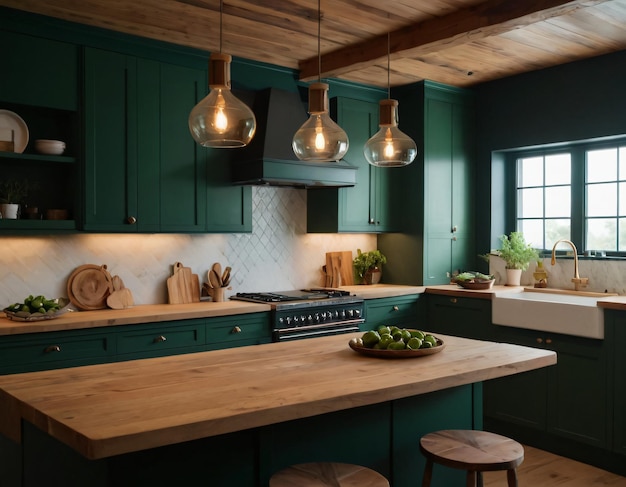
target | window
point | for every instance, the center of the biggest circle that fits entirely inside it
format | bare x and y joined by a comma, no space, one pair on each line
577,193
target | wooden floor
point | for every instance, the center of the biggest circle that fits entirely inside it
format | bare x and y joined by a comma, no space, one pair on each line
541,468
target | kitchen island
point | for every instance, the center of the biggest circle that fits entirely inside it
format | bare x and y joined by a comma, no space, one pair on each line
234,416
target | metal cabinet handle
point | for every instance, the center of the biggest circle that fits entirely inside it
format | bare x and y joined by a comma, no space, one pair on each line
548,341
453,300
160,338
52,348
539,340
454,239
131,220
395,308
236,330
371,221
454,229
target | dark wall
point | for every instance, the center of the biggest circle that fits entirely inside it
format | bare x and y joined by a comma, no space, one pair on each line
575,101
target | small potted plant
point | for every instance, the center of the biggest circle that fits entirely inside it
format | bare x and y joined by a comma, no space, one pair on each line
12,194
517,256
367,266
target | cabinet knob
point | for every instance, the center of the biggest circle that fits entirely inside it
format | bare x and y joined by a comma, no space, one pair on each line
548,341
539,340
454,239
236,330
395,308
52,348
160,338
454,229
371,221
131,220
453,300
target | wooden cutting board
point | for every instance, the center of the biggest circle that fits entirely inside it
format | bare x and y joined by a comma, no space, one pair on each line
183,286
339,268
89,286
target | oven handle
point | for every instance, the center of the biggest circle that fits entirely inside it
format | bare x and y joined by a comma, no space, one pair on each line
311,334
323,325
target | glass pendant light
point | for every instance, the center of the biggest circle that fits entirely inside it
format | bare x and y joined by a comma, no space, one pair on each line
221,119
389,147
319,139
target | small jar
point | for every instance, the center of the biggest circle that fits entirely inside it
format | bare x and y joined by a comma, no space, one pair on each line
540,275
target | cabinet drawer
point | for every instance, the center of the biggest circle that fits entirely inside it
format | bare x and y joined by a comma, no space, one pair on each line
395,311
54,350
465,317
161,338
240,330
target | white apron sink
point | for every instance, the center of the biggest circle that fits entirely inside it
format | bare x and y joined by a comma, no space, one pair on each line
569,314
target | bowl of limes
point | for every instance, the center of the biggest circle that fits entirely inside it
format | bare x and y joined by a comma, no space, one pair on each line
396,342
36,308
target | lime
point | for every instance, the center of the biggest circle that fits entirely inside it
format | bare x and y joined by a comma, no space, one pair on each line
426,344
393,329
370,338
382,329
417,334
397,335
396,345
414,343
385,340
431,339
406,335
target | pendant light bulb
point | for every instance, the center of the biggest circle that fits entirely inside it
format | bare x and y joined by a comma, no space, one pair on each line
390,147
220,119
320,138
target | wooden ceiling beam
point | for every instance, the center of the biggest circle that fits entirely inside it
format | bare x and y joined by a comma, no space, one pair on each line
489,18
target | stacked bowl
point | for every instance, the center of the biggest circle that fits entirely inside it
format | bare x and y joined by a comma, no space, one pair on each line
51,147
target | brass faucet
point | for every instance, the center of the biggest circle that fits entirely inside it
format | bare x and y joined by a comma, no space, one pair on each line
577,280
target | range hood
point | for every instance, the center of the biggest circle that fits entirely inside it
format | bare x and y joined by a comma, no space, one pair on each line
269,158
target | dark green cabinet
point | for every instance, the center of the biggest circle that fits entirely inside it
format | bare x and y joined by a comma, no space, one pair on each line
402,311
436,190
159,339
238,331
458,316
568,400
38,72
615,333
143,171
366,207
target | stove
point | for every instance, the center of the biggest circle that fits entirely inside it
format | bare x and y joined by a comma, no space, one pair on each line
310,312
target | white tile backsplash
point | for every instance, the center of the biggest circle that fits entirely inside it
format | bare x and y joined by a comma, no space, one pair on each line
278,255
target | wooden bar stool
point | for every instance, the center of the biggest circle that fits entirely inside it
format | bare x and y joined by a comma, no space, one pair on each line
327,475
471,450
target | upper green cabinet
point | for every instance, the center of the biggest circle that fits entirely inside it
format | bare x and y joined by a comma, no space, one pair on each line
143,171
367,206
39,72
435,191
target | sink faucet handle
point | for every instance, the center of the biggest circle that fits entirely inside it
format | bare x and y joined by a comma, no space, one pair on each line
580,282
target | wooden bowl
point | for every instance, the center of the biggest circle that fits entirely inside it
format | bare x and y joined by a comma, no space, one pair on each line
476,284
374,352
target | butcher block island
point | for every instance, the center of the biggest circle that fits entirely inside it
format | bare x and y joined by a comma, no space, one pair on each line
232,417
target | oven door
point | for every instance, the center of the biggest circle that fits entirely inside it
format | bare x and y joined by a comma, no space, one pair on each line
311,331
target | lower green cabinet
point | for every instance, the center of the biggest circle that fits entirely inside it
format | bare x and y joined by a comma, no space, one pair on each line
55,350
401,311
464,317
568,400
615,334
238,331
158,339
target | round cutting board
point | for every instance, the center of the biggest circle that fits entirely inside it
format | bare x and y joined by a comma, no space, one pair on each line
89,286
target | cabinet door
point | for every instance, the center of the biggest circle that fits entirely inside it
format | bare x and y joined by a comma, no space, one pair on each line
37,71
180,194
365,207
401,311
615,331
464,317
110,141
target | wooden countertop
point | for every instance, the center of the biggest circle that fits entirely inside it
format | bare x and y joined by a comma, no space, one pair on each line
129,316
374,291
110,409
456,290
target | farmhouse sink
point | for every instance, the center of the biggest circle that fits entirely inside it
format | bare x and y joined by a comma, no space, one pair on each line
569,314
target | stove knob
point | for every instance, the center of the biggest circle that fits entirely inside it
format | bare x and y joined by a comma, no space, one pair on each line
357,313
288,320
316,318
303,319
343,314
296,320
309,319
350,313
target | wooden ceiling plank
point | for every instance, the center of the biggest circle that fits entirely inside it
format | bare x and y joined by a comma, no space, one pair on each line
489,18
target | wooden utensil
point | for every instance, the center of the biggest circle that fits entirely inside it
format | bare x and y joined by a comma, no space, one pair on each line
226,276
217,267
182,286
121,297
215,279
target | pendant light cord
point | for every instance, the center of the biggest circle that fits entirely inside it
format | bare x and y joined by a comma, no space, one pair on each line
221,14
319,40
388,68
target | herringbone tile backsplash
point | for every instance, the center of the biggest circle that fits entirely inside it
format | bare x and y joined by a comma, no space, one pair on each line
278,255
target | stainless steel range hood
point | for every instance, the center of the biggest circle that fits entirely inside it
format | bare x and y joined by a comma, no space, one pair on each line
269,158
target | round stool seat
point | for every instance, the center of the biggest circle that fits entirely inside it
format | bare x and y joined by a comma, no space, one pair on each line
473,451
328,475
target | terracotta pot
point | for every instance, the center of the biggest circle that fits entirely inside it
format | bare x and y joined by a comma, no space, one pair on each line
372,276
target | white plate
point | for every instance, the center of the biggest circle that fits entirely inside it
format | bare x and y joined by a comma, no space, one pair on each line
10,120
